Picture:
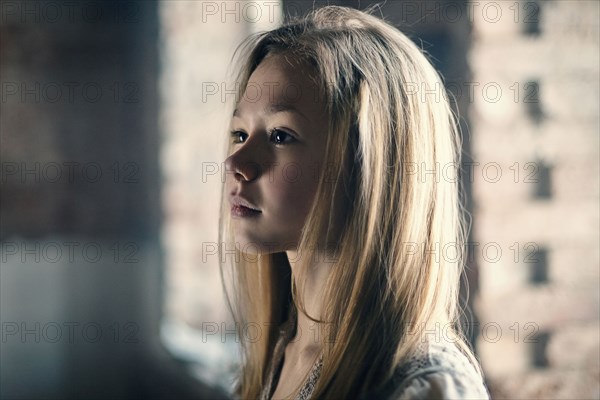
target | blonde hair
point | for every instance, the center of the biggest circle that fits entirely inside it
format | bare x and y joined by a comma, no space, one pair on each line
386,287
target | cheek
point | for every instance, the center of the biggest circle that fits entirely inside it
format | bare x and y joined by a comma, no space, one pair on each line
294,194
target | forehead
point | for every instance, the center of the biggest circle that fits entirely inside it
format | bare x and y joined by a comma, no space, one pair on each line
279,81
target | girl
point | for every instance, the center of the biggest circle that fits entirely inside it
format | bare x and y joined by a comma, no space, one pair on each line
332,230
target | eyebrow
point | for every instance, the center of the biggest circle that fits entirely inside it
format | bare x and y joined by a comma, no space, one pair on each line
275,109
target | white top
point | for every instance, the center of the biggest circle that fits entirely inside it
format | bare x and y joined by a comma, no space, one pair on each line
439,370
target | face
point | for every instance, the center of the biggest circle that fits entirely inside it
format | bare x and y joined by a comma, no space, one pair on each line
278,132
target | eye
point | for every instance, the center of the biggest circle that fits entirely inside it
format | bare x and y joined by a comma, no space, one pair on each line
276,135
280,137
238,137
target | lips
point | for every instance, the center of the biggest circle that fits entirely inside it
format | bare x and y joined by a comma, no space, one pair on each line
241,211
242,203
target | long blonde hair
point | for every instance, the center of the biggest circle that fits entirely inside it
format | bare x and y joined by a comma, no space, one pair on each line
390,138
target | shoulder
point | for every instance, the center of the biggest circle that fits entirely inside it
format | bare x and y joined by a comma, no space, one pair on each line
439,371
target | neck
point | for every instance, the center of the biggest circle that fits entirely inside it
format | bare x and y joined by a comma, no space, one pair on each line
309,334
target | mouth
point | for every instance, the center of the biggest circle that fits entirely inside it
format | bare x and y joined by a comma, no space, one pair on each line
241,203
243,212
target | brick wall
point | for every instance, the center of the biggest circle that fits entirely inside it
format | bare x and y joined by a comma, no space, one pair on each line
536,196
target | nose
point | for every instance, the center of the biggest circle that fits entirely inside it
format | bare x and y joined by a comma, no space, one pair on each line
241,167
